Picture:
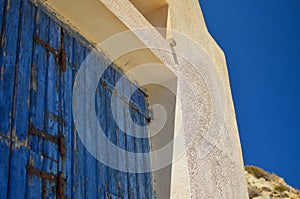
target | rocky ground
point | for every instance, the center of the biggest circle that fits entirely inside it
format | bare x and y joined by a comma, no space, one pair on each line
263,185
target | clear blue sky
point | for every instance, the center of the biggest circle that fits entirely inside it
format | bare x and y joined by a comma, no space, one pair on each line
261,40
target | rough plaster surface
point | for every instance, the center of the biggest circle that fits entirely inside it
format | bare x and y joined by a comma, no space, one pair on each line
212,165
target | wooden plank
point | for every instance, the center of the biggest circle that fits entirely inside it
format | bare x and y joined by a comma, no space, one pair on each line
52,112
145,143
8,53
8,65
38,83
49,189
138,146
17,175
120,107
111,134
66,164
74,67
91,176
146,149
90,139
79,168
22,92
37,103
116,107
40,186
73,135
24,61
116,136
147,178
133,189
101,115
34,183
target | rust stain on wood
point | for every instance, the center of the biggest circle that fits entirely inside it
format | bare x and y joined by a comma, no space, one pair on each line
41,174
42,134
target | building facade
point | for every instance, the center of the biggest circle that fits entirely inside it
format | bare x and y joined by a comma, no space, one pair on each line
158,89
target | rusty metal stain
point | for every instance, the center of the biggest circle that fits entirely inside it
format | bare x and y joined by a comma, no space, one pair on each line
2,72
45,45
57,118
61,182
46,156
59,140
62,146
44,188
58,179
104,85
41,174
42,134
60,54
111,196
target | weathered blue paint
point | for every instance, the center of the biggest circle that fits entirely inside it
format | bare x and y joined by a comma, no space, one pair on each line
17,174
4,166
79,153
101,115
9,43
36,100
66,113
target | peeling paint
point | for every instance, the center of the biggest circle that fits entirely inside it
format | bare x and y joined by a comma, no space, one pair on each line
33,79
2,72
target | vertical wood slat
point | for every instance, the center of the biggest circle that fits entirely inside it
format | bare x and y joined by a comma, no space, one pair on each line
9,35
34,183
73,132
37,105
147,162
66,165
36,115
111,133
145,145
122,178
116,138
90,160
138,146
79,170
51,111
102,169
18,159
38,83
132,180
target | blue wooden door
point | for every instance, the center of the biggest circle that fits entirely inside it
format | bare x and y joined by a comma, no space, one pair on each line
41,155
